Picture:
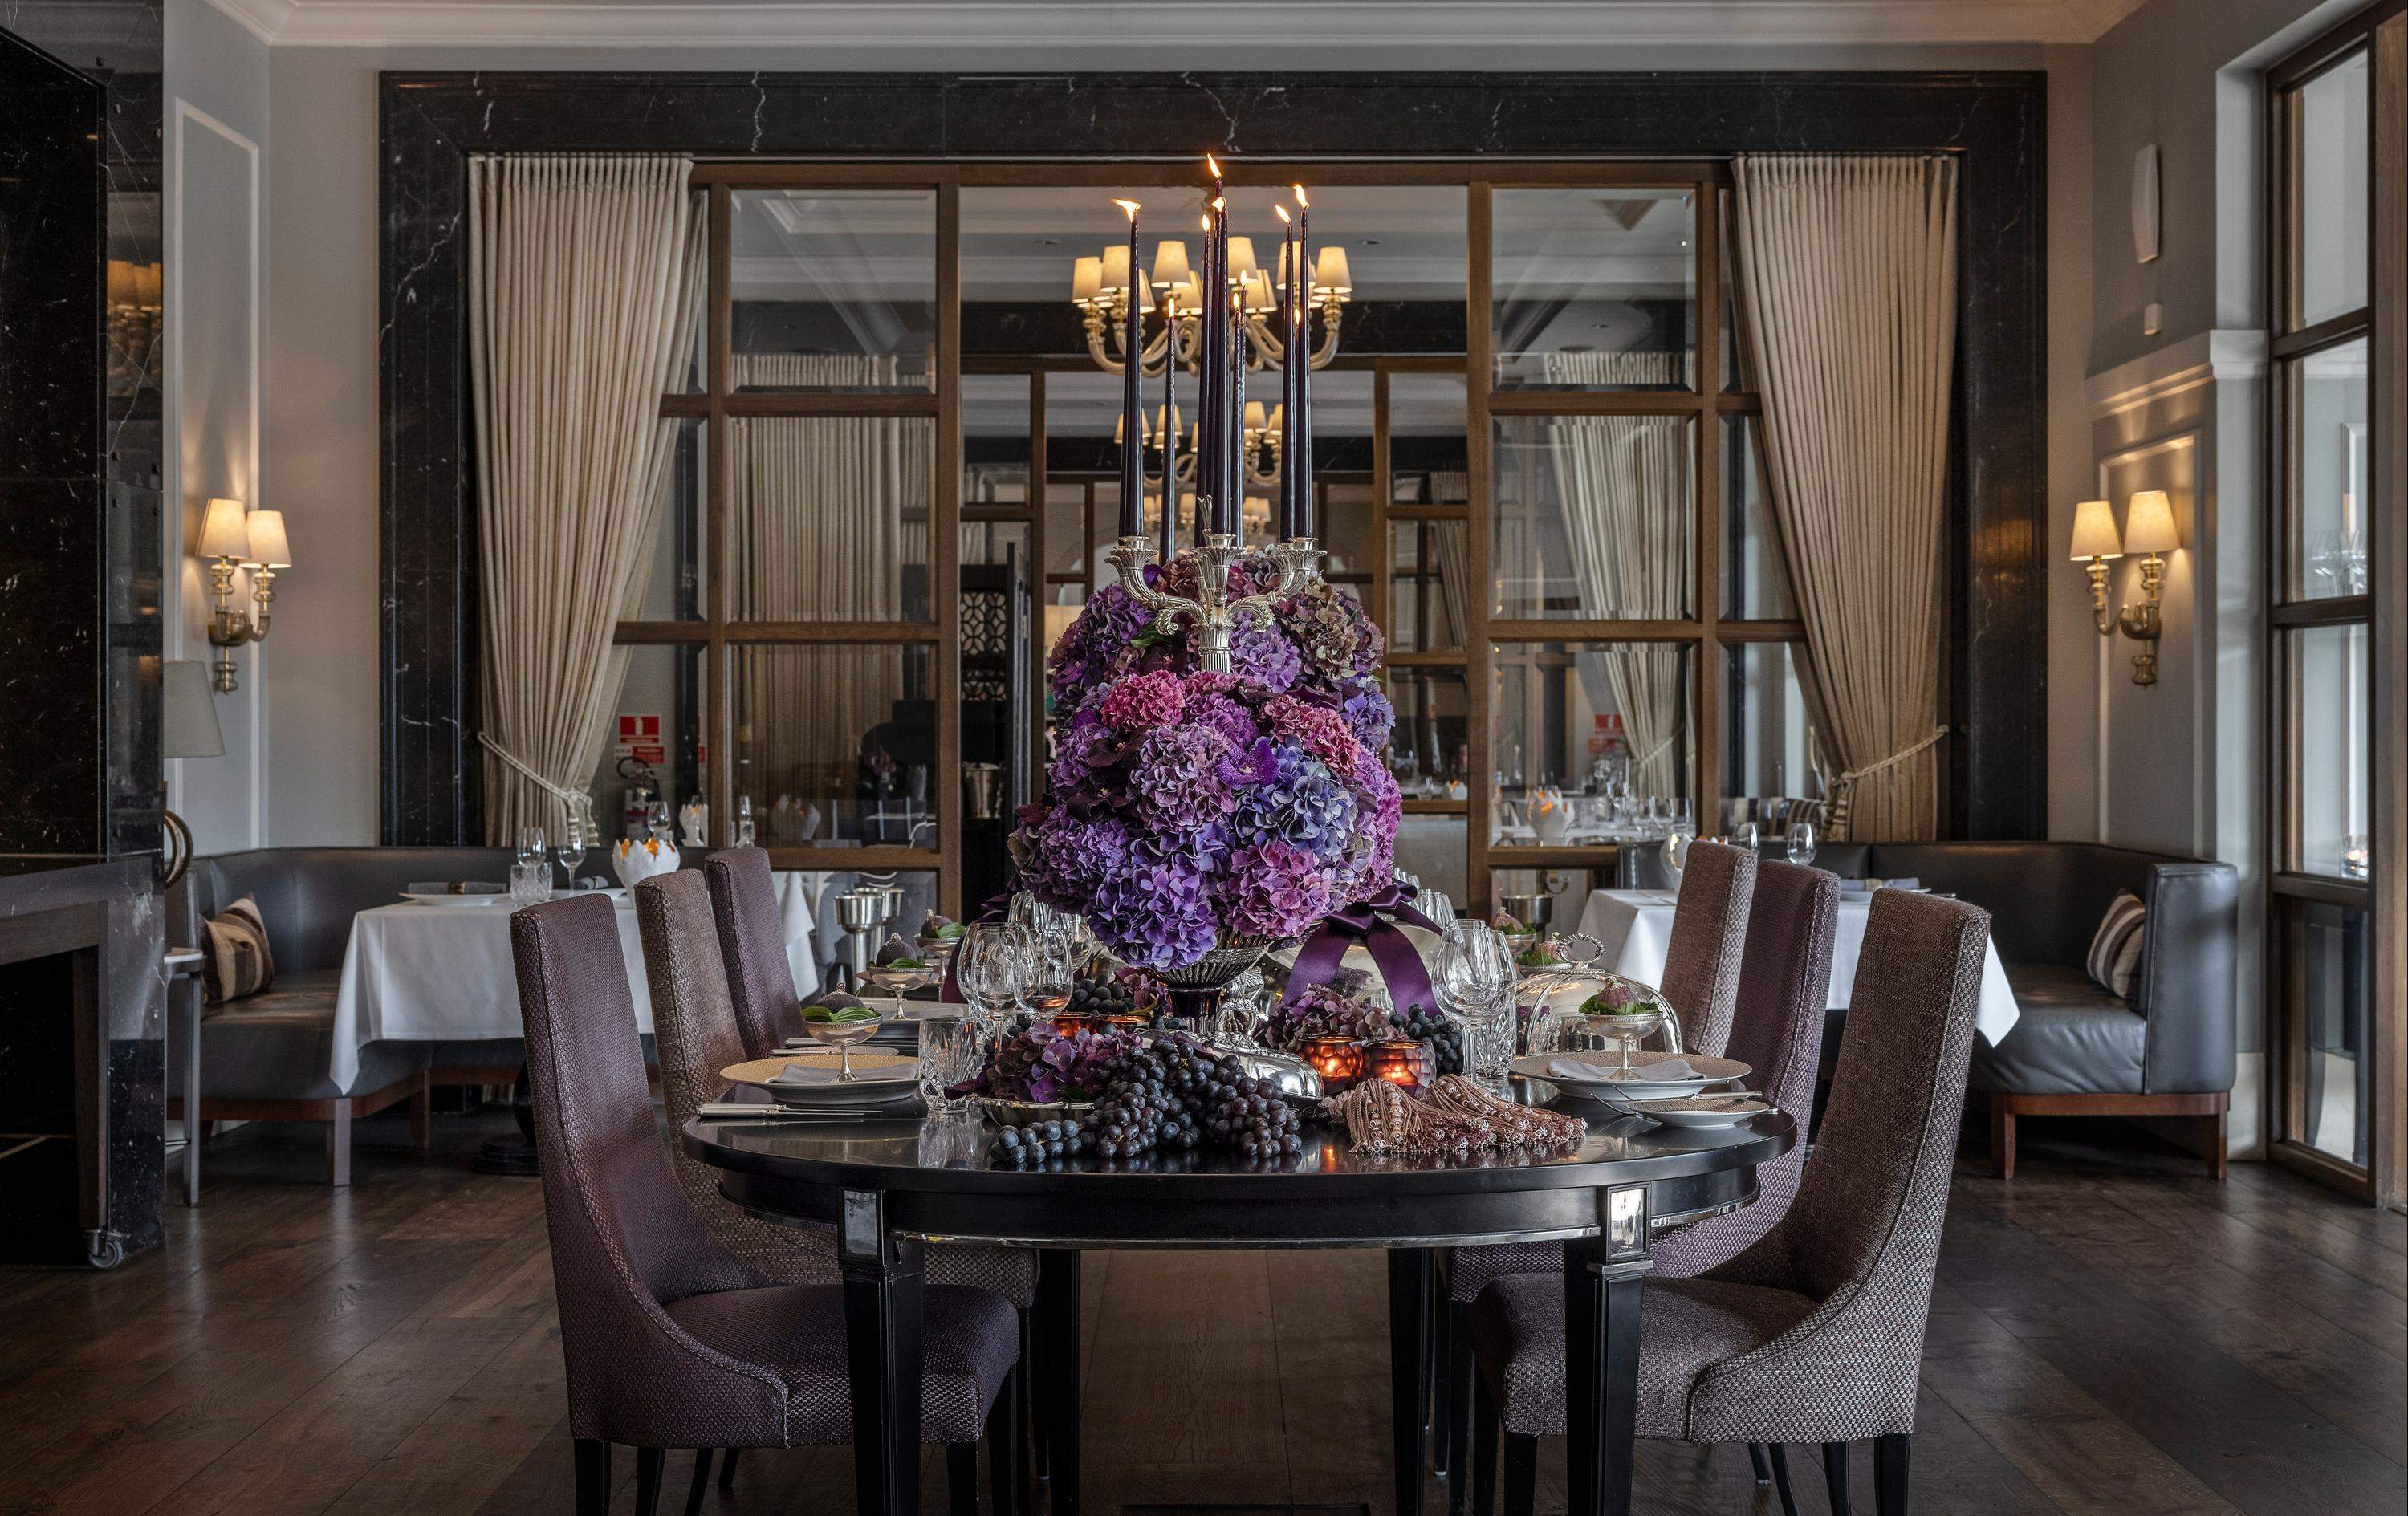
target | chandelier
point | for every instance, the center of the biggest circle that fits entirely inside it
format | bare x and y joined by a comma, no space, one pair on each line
1100,287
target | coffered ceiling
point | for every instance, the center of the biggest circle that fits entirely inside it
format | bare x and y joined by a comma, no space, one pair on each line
1307,26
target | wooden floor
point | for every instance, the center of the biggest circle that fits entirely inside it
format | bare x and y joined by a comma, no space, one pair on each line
2110,1334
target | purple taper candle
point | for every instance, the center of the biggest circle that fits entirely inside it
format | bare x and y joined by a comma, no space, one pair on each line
1306,525
1132,408
1286,514
1170,427
1233,513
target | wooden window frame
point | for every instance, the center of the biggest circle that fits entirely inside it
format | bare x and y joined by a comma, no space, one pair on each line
2380,33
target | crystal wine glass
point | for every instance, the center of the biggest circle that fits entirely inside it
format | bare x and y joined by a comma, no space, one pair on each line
1802,842
658,819
989,970
1049,963
1476,981
572,846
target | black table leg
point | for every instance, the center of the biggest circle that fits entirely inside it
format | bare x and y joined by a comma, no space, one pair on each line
1409,1288
1601,1375
881,1334
1057,1329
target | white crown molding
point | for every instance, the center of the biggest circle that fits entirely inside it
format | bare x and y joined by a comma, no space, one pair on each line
2202,358
1100,24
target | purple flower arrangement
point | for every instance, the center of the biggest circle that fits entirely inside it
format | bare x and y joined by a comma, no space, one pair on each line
1190,812
1035,1064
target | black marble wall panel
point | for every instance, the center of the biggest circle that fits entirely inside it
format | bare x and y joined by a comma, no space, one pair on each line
1992,121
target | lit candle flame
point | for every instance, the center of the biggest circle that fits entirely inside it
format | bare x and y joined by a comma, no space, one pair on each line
1214,163
1130,206
1300,200
1283,211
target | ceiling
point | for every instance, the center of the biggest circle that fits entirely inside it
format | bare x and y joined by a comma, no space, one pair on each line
1310,26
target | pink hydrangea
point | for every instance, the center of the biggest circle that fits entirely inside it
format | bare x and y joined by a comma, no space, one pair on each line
1321,731
1274,891
1144,701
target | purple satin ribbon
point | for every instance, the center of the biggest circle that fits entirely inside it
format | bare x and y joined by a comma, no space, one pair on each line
1400,967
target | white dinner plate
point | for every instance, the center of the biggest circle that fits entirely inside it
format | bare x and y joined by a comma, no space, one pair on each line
1708,1071
880,1079
476,895
1700,1114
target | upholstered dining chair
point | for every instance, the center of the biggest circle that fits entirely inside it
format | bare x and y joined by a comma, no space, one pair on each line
1815,1333
1783,983
759,995
671,1340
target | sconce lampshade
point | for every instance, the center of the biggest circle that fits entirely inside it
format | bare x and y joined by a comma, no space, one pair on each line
1087,278
223,534
2094,531
268,548
188,717
1115,269
2149,526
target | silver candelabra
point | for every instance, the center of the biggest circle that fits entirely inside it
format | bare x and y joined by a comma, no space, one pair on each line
1213,609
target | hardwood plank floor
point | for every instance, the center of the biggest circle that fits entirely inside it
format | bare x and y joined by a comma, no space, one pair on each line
2110,1334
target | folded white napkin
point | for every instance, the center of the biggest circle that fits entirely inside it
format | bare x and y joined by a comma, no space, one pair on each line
1662,1071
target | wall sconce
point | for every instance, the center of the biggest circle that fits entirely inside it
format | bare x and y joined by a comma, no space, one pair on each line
2148,528
232,538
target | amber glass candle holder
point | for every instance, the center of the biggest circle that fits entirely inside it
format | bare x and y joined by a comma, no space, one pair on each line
1072,1023
1400,1061
1337,1058
1127,1021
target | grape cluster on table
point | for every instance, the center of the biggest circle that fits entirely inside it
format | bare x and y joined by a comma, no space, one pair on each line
1105,995
1441,1034
1172,1095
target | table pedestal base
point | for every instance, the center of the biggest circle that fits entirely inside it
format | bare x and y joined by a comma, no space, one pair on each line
514,1156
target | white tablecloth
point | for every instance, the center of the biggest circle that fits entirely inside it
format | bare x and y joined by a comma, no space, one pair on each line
1635,927
417,973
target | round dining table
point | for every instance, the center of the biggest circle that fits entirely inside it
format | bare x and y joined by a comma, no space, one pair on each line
888,1185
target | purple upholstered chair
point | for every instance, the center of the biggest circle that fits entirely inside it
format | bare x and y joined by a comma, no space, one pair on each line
1782,984
1701,978
1813,1334
671,1340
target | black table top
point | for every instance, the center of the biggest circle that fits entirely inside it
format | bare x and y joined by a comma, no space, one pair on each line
951,1156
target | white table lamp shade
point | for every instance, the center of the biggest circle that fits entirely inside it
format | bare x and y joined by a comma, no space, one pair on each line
268,548
223,534
2149,526
2094,531
188,716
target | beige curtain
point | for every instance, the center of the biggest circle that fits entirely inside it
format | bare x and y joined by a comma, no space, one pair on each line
1625,482
826,512
584,278
1848,268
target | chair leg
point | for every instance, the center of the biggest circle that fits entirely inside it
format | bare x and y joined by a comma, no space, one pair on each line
1007,1488
1521,1474
2003,1140
727,1467
422,1116
1835,1476
1890,1473
702,1485
648,1479
1756,1459
593,1457
1032,1426
1435,1377
961,1477
1480,1459
1778,1455
338,1146
2213,1143
1460,1417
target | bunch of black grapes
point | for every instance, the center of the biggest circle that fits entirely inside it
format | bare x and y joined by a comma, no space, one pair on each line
1175,1093
1437,1032
1038,1143
1106,995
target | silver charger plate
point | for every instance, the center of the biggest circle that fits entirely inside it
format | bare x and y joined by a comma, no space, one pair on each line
1691,1113
1710,1071
880,1079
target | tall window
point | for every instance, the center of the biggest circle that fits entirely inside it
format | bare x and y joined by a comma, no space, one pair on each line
1537,464
2338,305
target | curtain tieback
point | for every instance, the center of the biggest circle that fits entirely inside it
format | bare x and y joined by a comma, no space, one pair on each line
579,802
1843,788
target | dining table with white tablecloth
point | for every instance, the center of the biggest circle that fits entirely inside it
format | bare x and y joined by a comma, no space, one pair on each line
1634,930
443,973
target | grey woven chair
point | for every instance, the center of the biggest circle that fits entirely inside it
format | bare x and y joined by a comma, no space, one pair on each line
672,1340
1710,933
1815,1333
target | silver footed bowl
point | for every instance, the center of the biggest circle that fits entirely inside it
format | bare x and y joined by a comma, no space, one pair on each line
1217,967
1005,1113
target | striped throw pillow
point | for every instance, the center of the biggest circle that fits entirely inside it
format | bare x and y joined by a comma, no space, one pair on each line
235,961
2115,952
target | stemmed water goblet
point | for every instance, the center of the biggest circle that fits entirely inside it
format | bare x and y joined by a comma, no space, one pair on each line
1801,841
572,848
